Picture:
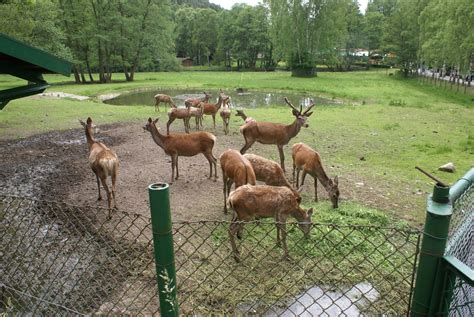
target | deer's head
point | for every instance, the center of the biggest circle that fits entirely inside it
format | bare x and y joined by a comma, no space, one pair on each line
333,191
88,124
304,221
206,96
151,124
301,116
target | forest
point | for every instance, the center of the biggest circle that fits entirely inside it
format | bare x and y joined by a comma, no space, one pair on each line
102,37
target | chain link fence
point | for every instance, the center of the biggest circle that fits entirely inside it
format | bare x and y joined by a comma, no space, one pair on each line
63,259
460,300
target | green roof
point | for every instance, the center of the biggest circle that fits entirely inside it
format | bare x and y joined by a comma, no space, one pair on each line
27,62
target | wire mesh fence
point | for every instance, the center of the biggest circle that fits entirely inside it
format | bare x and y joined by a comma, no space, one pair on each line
460,300
63,259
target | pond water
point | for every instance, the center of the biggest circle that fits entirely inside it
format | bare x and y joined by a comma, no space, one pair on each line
245,99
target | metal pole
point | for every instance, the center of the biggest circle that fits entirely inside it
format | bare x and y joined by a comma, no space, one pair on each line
430,274
163,247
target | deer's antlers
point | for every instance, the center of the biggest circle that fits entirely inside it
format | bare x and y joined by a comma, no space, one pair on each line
295,111
312,104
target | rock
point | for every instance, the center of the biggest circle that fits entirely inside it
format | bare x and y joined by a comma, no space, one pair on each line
448,167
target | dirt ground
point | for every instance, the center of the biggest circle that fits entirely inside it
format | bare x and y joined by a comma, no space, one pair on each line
53,166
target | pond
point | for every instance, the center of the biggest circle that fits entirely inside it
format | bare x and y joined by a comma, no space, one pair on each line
245,99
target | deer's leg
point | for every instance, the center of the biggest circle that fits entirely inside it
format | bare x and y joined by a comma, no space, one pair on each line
210,159
224,178
303,177
109,195
233,229
196,119
247,145
98,187
282,157
176,164
315,189
168,125
157,106
214,120
114,180
297,178
172,169
277,220
282,226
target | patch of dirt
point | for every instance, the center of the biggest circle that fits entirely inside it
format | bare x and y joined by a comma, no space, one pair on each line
54,166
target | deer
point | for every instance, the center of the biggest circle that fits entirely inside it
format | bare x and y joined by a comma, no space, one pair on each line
193,102
213,108
270,172
235,169
179,144
263,201
275,133
309,161
104,163
165,99
197,113
225,115
178,113
240,113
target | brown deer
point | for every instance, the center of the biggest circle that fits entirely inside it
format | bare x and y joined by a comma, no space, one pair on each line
213,108
165,99
270,172
193,102
263,201
197,113
235,169
178,113
308,160
103,162
275,133
225,115
179,144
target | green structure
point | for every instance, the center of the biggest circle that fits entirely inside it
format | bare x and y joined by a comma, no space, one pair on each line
24,61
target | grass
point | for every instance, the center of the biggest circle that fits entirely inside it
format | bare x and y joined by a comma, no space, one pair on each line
385,127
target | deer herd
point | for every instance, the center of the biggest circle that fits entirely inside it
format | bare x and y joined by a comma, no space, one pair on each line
277,198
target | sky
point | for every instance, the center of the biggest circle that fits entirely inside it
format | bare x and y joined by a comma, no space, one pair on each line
227,4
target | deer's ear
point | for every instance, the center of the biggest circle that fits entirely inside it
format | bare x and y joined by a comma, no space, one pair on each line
82,123
149,120
299,190
310,212
89,120
309,113
336,180
156,120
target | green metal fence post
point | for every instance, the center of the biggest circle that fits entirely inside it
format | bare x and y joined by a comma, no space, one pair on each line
163,247
429,273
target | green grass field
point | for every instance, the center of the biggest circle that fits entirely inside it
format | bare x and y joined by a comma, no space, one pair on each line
386,126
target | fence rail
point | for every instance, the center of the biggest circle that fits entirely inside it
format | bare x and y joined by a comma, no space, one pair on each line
63,259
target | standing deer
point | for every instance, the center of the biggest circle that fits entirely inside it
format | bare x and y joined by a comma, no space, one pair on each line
212,108
235,169
225,115
193,102
103,162
165,99
178,144
269,172
263,201
275,133
197,113
178,113
308,160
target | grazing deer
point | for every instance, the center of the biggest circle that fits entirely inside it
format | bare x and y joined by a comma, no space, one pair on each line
165,99
178,113
235,169
212,108
178,144
275,133
263,201
308,160
103,162
193,102
225,115
246,119
269,172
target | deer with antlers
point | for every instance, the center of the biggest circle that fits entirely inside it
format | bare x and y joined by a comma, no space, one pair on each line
178,113
263,201
178,144
309,161
235,169
161,98
103,162
275,133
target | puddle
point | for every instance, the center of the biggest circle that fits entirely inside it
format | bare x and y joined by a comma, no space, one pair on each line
247,99
320,301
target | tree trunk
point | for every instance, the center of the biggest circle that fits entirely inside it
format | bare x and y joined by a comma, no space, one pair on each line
77,78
